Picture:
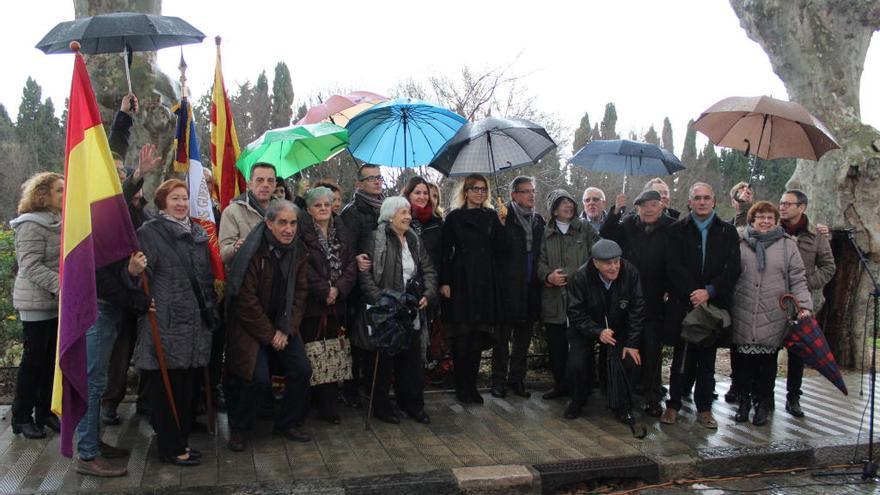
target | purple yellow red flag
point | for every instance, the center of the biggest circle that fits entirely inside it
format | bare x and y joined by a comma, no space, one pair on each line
224,142
96,230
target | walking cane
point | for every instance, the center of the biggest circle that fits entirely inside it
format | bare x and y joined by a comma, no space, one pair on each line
372,392
160,353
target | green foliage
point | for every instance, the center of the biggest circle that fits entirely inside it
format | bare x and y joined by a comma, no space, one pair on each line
770,177
261,105
10,326
38,129
582,134
202,116
652,137
668,142
609,123
282,97
689,153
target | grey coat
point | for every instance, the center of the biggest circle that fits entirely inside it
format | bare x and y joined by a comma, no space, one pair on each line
567,251
757,318
185,335
387,269
37,250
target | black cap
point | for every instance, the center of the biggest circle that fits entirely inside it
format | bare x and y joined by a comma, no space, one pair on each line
605,249
649,195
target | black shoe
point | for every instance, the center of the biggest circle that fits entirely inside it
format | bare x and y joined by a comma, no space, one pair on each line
352,400
625,416
390,418
572,411
292,434
333,419
193,453
793,406
219,399
554,394
177,461
762,413
654,409
51,422
498,391
463,397
110,452
745,407
519,389
110,417
476,398
420,416
29,430
731,397
237,442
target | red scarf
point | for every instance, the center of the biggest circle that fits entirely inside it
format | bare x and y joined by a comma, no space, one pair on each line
422,213
795,228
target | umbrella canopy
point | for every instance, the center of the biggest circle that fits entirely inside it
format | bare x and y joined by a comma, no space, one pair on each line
766,127
113,33
806,340
391,322
339,109
622,156
294,148
491,145
403,132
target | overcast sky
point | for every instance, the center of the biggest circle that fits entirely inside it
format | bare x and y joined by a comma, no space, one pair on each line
652,59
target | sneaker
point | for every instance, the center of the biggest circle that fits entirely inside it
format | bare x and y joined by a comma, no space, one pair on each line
706,419
99,467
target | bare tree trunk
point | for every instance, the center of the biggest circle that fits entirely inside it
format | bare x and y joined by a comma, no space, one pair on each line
818,49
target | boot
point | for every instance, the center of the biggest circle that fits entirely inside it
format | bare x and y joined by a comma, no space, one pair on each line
745,406
762,413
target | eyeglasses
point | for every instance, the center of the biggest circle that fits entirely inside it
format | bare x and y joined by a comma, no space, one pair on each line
786,204
479,190
372,178
593,200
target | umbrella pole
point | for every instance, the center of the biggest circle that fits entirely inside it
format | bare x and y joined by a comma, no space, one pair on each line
754,166
125,55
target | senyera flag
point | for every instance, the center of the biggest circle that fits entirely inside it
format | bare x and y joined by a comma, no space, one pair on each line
96,231
187,160
224,142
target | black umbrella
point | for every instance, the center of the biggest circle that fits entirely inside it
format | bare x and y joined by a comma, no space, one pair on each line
120,32
618,392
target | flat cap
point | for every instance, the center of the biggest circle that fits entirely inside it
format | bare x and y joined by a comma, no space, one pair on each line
649,195
605,249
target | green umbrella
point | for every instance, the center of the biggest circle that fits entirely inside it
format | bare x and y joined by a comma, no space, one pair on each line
295,148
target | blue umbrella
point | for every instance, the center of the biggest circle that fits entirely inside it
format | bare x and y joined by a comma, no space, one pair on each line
622,156
403,132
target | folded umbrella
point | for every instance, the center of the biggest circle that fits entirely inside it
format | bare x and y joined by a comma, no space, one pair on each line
806,340
618,391
339,109
294,148
625,157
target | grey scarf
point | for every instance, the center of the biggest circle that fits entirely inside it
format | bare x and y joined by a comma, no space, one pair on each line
373,201
527,225
760,242
185,224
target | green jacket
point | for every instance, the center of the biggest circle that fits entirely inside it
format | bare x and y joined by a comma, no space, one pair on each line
567,251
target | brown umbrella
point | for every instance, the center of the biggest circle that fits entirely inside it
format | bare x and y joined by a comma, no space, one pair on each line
766,127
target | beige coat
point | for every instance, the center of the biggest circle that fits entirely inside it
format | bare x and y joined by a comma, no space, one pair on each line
238,219
757,318
818,260
37,250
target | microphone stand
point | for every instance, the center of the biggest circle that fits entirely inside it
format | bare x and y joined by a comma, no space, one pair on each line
869,466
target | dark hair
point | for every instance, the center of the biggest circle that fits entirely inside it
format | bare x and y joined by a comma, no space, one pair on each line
762,207
522,179
801,197
164,189
263,165
288,194
411,185
362,167
329,184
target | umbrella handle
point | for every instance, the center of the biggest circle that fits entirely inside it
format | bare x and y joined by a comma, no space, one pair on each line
792,302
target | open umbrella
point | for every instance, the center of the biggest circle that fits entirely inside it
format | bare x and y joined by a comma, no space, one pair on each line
294,148
120,32
766,128
403,132
806,340
492,145
339,109
622,156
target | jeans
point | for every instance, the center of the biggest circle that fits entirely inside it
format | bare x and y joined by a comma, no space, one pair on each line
703,360
242,396
100,338
33,387
520,335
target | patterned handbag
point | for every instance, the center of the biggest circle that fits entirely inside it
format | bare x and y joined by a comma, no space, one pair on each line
330,358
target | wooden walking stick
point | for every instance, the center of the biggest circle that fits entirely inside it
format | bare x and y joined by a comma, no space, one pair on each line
160,353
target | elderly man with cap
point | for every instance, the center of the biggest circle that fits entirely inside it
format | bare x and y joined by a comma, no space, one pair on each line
643,238
604,302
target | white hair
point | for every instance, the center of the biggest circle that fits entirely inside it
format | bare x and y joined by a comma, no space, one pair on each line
700,184
390,207
591,188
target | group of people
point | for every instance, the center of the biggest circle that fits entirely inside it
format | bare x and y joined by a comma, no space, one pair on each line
611,283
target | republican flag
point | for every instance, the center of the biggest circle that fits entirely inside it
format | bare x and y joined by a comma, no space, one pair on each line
186,160
96,231
224,142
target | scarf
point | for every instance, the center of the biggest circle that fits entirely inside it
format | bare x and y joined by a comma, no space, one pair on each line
252,200
185,224
527,225
331,248
375,202
422,213
795,228
703,227
281,299
760,242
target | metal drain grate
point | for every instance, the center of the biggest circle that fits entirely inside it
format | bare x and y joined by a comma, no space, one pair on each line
558,474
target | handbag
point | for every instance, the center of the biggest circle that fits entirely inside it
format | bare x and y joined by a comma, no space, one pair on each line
330,358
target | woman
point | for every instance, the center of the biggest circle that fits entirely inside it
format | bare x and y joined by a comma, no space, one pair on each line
337,193
181,285
332,273
35,296
435,198
472,237
566,246
771,267
400,263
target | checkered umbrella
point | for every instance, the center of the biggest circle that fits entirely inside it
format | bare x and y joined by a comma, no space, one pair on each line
806,340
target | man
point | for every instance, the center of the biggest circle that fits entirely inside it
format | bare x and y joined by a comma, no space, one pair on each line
594,207
815,250
246,211
605,303
659,185
741,197
266,295
523,229
643,238
361,218
703,264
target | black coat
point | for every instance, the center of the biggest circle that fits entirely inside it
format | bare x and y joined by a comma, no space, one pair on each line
361,220
472,240
431,234
646,250
589,304
520,288
685,274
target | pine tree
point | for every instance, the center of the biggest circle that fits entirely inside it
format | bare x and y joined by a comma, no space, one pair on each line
652,137
668,142
261,105
595,134
7,127
240,104
689,152
301,112
582,134
282,97
38,129
609,123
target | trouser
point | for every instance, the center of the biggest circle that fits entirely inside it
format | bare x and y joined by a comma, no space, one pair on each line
466,356
242,396
756,375
323,398
120,359
218,348
509,366
651,350
99,344
557,346
172,440
795,376
703,360
409,380
735,366
33,386
581,365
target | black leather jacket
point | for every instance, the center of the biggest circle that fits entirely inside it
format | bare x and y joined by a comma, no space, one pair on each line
589,303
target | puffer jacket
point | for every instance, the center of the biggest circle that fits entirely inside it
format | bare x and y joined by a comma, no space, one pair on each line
37,250
239,218
186,336
757,318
